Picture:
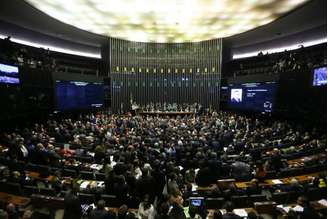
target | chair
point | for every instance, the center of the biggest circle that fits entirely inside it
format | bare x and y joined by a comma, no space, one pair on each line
111,200
240,201
86,198
315,194
69,173
18,166
29,190
271,175
267,207
86,159
100,176
257,198
13,188
214,203
281,197
47,191
87,175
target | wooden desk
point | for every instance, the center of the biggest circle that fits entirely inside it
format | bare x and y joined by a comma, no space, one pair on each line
211,211
315,204
36,175
16,200
285,180
178,113
43,201
300,161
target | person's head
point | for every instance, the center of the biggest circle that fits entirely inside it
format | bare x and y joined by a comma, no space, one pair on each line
101,204
254,182
294,182
176,197
122,211
217,214
192,211
130,216
303,201
27,214
228,206
3,214
252,215
164,208
11,208
292,214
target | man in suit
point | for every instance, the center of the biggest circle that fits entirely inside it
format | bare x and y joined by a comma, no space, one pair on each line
308,211
176,211
229,208
72,203
99,212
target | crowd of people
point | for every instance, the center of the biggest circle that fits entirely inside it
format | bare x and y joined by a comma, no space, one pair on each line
167,107
294,60
156,161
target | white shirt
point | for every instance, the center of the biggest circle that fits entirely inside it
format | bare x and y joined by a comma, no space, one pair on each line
145,214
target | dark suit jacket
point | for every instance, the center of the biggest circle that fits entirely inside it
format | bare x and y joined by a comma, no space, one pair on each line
230,215
177,212
99,214
73,208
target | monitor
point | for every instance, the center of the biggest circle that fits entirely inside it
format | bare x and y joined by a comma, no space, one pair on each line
319,76
75,95
196,201
9,74
257,97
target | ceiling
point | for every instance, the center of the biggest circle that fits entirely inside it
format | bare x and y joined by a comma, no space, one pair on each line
165,21
22,14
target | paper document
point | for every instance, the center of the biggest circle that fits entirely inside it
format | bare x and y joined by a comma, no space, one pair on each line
193,187
276,181
84,185
284,208
240,212
298,208
323,202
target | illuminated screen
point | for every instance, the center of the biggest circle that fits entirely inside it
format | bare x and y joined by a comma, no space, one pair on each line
73,95
236,95
320,76
258,97
9,74
197,201
166,20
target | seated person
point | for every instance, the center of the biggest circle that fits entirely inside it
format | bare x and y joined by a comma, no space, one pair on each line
308,211
254,188
228,206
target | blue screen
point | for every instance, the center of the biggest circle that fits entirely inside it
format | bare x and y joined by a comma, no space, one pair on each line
71,95
9,74
258,97
320,76
196,202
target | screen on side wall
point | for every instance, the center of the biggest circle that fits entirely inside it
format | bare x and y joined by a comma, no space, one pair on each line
73,95
9,74
258,97
320,76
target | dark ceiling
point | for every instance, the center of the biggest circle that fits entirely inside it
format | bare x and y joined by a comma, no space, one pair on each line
16,14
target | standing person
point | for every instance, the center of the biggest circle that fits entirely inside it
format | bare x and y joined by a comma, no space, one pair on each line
308,211
146,209
72,203
99,212
176,211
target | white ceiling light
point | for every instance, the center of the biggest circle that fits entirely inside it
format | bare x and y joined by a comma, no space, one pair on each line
166,20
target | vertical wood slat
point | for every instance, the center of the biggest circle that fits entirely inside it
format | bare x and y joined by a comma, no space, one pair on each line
126,84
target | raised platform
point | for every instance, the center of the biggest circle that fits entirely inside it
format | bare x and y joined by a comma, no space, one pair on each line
169,113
